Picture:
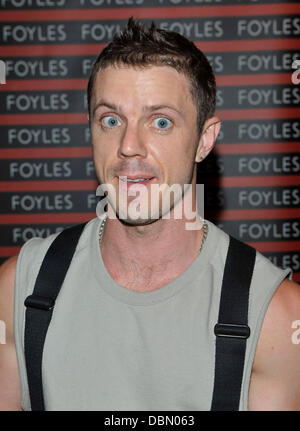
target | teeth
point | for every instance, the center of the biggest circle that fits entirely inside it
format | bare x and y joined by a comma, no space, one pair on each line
137,180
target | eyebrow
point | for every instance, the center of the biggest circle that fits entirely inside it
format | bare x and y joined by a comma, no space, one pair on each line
148,108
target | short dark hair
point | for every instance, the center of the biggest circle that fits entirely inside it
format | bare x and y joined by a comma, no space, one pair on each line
139,46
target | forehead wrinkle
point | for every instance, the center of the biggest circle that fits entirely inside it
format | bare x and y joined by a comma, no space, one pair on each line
146,108
102,102
176,106
162,106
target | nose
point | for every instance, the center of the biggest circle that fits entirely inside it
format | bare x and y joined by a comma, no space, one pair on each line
132,142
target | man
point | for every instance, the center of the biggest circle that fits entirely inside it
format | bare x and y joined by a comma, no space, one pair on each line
132,327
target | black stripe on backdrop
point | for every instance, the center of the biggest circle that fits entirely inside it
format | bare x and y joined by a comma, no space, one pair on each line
283,197
196,29
82,167
78,67
74,135
74,101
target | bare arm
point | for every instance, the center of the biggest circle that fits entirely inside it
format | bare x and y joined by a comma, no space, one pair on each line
275,379
10,390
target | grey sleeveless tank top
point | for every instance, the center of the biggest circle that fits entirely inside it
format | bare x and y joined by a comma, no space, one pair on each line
110,348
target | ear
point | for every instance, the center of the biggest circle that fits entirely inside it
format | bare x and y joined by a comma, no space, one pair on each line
208,137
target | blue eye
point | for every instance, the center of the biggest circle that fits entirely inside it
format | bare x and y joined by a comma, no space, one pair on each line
111,121
162,123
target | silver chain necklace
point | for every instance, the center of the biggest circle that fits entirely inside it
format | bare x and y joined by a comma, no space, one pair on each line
205,232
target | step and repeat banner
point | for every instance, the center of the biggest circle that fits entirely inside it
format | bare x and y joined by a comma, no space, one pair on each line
251,178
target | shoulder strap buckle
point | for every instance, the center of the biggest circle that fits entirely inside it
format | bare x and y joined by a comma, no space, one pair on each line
230,330
40,302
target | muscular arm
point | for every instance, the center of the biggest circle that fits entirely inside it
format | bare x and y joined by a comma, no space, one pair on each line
10,391
275,378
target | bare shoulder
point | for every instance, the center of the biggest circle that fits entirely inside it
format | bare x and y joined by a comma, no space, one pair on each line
275,379
10,389
7,281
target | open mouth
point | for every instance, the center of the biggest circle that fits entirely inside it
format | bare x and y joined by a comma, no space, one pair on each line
140,180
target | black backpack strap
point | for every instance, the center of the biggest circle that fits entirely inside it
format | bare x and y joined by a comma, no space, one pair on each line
232,329
40,307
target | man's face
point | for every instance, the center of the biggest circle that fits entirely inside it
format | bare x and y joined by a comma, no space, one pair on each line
144,126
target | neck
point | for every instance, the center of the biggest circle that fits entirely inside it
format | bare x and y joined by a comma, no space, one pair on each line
147,257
